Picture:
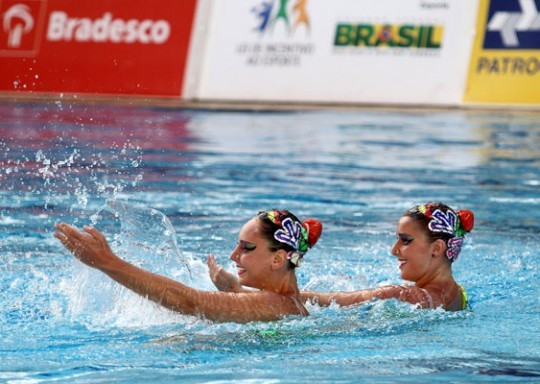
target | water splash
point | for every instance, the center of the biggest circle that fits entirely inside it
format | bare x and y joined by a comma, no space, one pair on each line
142,235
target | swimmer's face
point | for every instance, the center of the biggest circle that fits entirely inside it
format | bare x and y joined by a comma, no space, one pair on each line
252,256
413,250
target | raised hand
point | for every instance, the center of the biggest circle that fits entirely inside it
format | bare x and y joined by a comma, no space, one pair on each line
223,280
90,246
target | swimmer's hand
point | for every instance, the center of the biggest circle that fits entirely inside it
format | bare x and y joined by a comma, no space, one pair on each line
223,280
91,247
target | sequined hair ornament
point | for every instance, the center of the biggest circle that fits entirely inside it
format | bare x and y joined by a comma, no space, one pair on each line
299,236
455,225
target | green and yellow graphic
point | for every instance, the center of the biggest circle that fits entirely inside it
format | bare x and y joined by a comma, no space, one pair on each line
388,35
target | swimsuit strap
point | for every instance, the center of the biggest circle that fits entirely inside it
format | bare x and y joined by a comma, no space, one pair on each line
464,298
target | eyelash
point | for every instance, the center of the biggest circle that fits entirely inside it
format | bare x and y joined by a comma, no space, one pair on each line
245,248
405,240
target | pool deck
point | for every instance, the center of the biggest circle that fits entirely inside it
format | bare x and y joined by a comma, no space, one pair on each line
175,103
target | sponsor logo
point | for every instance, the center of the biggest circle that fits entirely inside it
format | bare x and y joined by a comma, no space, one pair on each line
385,35
429,5
21,27
269,14
513,24
16,30
282,29
106,29
524,66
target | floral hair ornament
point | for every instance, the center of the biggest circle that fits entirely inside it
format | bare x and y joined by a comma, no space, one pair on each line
447,222
466,222
314,230
425,210
273,216
295,235
453,248
443,222
454,225
295,257
292,233
299,236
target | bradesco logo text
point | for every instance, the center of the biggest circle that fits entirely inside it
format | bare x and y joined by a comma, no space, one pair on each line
106,29
384,35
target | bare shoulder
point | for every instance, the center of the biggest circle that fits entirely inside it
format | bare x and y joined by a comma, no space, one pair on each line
447,296
252,306
280,303
420,296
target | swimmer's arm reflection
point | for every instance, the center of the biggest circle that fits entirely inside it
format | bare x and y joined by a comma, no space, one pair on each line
91,248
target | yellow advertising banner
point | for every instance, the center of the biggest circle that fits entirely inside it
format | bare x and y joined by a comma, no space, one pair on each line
505,62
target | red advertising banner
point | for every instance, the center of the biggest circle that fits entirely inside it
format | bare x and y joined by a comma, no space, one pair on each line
129,47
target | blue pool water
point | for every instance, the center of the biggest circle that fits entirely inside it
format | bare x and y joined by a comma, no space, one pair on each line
121,168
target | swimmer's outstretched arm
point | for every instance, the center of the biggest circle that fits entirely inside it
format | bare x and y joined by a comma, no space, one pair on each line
348,298
412,295
91,248
226,282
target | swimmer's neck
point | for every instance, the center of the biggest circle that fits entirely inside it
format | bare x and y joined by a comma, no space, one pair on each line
441,277
285,285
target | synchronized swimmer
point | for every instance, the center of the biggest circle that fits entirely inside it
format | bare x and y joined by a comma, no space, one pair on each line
429,240
270,247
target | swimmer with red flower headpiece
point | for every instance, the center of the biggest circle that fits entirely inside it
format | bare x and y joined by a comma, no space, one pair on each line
270,246
429,240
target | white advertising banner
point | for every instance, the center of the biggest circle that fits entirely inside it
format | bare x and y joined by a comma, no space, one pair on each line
384,51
